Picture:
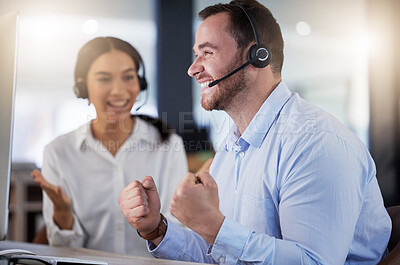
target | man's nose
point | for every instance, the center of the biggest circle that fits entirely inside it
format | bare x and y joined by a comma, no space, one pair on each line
195,68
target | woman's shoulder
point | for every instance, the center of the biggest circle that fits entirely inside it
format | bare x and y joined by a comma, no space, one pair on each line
68,140
175,138
160,133
159,128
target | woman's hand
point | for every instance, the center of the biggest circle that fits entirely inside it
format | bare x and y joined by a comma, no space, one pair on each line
62,204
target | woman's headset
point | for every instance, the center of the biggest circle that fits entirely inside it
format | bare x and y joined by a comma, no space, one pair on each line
81,90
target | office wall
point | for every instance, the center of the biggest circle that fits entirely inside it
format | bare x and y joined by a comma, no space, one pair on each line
384,76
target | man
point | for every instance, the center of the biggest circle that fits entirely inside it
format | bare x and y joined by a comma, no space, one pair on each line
291,184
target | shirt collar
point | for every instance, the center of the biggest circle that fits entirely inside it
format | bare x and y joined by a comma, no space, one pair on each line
142,133
262,121
83,134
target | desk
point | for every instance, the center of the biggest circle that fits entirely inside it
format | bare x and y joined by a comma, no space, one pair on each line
83,253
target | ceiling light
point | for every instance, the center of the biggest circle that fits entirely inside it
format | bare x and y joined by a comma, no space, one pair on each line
303,28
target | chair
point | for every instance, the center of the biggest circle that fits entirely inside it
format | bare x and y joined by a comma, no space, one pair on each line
393,246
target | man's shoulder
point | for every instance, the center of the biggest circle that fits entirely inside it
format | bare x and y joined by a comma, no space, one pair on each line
301,120
299,116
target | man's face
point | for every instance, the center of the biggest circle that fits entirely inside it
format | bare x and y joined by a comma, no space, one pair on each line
217,55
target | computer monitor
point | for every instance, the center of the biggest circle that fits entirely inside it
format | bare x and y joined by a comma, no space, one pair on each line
8,62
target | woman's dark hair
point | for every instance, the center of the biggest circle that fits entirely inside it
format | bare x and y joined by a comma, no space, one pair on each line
242,32
98,46
91,51
163,129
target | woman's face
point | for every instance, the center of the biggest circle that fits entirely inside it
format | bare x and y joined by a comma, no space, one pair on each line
113,85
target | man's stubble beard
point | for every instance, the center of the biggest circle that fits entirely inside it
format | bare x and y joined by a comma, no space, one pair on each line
227,90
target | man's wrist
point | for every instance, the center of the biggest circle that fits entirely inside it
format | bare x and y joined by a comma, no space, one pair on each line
211,232
158,233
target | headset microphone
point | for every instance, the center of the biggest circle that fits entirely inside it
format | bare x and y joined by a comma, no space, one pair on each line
213,83
258,55
144,102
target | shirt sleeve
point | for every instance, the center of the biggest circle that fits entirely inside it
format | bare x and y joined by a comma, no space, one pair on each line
181,244
321,190
55,235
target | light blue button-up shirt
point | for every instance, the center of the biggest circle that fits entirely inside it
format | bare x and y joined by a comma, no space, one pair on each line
296,188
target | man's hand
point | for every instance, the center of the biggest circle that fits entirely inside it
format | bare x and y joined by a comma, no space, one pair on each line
140,204
196,204
62,204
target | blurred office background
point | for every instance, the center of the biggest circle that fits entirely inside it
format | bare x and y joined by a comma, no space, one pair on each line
341,55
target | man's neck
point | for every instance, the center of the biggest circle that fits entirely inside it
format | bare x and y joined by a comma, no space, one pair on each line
245,107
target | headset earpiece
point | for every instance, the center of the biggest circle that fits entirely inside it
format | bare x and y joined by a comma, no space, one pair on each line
142,78
142,83
80,89
262,54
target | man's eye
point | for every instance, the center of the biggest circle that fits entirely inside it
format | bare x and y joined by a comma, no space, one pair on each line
207,53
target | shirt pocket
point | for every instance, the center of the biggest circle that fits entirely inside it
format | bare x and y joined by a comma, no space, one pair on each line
258,214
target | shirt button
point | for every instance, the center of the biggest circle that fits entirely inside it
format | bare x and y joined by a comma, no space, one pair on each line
84,147
241,154
221,260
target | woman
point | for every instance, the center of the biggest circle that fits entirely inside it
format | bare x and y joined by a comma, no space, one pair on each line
85,170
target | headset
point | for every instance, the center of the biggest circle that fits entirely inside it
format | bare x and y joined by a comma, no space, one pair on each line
259,55
81,91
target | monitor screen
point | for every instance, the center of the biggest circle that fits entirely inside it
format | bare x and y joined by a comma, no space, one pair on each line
8,59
